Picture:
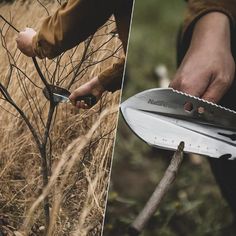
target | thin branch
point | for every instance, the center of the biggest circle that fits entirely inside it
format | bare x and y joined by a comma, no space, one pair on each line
35,64
3,108
81,61
43,7
25,75
163,187
31,128
9,23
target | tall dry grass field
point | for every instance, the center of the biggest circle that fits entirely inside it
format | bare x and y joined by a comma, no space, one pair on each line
79,145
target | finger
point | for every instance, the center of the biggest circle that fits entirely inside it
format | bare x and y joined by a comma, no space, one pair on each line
216,90
191,85
75,94
85,105
82,104
18,37
18,42
78,104
174,84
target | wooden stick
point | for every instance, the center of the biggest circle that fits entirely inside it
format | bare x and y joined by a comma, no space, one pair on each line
163,187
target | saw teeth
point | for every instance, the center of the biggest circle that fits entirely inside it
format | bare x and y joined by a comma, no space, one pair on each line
202,100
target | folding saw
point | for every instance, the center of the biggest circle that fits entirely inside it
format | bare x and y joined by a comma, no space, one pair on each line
165,117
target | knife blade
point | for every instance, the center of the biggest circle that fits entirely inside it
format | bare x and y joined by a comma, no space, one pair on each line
170,102
61,95
60,98
159,118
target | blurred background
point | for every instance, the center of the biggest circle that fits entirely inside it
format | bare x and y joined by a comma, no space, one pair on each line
194,205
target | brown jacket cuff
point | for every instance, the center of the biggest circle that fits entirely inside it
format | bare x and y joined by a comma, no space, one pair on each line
111,78
197,9
35,47
42,49
192,20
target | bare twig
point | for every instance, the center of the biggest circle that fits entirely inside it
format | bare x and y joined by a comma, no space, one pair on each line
41,4
163,187
21,89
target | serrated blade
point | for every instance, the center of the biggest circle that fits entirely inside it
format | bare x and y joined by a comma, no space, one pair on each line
170,102
157,116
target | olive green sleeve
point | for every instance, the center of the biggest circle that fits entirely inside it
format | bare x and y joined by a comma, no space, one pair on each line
71,24
111,78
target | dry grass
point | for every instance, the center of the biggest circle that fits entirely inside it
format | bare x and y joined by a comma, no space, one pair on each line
80,141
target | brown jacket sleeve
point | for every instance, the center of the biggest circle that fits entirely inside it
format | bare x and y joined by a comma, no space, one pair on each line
74,21
71,24
111,78
198,8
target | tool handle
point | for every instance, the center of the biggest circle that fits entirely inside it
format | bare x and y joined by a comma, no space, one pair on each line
89,99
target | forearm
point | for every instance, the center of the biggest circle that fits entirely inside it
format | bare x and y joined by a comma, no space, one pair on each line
207,69
196,9
212,29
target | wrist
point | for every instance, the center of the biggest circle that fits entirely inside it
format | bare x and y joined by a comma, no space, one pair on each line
96,87
212,30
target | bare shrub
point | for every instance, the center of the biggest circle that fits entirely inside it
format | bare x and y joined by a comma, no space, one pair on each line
43,143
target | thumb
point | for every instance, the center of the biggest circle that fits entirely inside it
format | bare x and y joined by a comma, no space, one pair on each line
76,93
81,91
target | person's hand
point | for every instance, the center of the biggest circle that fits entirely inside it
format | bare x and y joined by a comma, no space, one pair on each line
93,87
207,70
24,42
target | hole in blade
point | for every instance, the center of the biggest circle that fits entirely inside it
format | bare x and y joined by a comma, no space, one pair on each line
225,157
200,110
188,106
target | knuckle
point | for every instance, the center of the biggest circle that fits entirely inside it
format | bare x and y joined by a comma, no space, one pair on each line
211,99
78,104
72,97
224,81
75,92
184,84
176,82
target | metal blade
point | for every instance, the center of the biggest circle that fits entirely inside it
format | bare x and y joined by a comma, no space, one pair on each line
59,94
171,103
60,98
157,116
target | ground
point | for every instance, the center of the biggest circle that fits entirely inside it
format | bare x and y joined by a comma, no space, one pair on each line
194,206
